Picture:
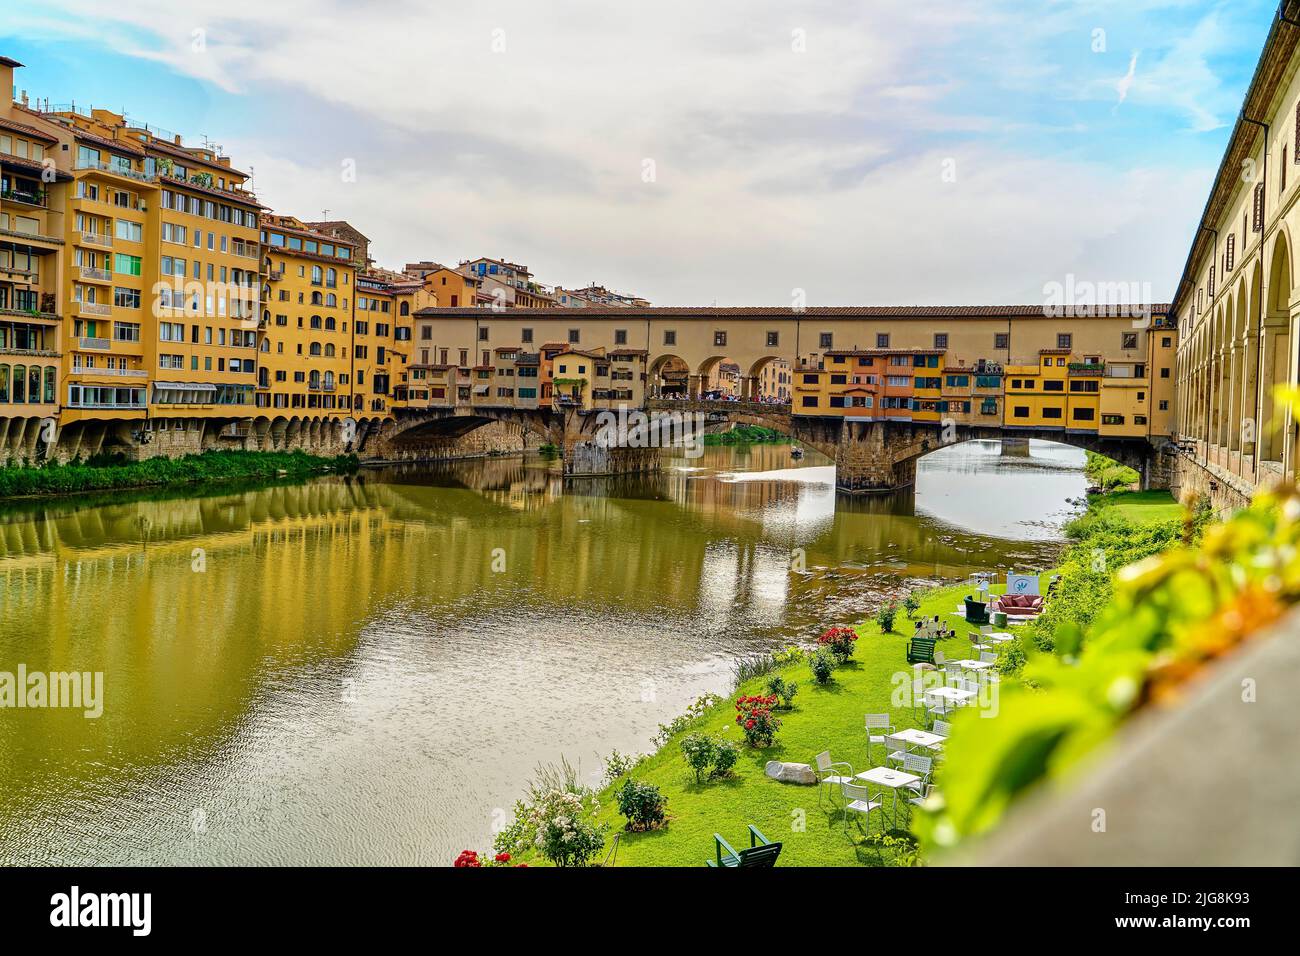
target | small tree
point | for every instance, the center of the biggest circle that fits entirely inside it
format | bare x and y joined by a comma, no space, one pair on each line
822,667
642,804
911,604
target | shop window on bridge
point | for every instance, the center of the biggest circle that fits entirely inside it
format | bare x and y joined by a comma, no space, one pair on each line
839,379
1020,411
989,408
1051,413
1084,414
1053,385
837,401
1112,419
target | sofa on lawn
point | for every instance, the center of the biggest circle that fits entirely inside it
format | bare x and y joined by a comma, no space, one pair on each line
1019,605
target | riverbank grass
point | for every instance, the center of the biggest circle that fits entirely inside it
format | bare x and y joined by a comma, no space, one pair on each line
1137,507
117,472
825,717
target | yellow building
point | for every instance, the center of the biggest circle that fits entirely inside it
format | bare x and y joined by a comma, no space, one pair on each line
33,210
309,283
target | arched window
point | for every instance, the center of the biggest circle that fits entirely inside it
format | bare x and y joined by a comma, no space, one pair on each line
51,383
316,299
20,384
314,349
404,309
315,275
4,384
330,324
332,301
329,350
331,277
34,384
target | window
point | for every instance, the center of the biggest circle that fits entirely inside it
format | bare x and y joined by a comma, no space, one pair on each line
1001,340
1051,413
882,340
1139,419
670,337
620,336
1020,411
1064,340
941,340
128,231
526,335
1129,340
1112,419
1053,385
482,333
1164,406
773,339
573,336
1257,211
719,338
1230,253
126,265
810,401
1084,414
826,340
126,298
1164,373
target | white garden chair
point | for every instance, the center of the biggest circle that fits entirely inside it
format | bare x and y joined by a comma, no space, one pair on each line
881,722
858,799
829,775
895,749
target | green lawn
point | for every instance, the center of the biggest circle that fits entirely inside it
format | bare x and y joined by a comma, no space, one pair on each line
824,718
1138,507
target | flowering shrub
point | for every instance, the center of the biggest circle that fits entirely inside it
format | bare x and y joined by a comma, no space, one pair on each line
911,604
886,615
757,722
564,833
642,804
839,641
470,858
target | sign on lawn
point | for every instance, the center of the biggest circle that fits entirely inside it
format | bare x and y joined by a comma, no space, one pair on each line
1022,584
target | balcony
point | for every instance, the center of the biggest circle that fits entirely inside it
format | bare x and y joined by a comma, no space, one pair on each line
115,170
245,250
87,274
94,344
34,315
93,308
25,197
116,372
101,239
29,353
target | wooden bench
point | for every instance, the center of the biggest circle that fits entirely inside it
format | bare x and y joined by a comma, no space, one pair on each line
761,852
920,650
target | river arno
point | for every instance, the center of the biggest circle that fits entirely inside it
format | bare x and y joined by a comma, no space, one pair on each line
367,670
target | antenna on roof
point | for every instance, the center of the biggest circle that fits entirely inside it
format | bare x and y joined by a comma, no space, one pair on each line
325,214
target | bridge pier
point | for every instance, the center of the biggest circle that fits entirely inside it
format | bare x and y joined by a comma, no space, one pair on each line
869,459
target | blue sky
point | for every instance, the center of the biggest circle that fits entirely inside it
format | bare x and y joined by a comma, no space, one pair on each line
864,152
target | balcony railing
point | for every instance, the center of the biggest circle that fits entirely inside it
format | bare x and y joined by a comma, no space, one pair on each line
33,353
116,170
94,344
117,372
245,250
94,275
97,239
30,314
31,197
94,308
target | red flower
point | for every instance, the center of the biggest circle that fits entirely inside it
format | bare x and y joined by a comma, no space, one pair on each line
503,857
749,725
467,858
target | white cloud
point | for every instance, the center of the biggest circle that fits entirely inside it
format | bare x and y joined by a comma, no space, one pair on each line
775,168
